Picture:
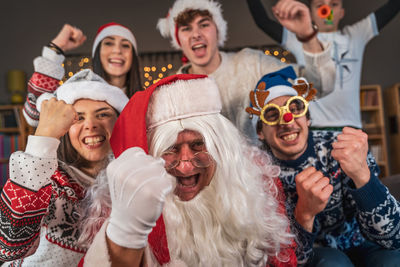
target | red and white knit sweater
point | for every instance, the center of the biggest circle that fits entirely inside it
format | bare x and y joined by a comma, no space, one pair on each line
40,207
45,79
40,203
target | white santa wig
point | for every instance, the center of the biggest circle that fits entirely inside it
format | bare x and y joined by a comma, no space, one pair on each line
235,218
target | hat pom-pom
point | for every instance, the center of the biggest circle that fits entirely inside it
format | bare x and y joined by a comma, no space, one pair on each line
164,27
41,98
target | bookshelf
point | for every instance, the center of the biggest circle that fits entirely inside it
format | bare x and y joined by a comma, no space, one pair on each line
14,132
373,124
392,110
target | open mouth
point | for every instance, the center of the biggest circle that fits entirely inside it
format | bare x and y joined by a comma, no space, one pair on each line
94,141
187,182
198,46
116,61
290,137
199,49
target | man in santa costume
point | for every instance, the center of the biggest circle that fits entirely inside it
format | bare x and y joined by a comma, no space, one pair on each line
176,155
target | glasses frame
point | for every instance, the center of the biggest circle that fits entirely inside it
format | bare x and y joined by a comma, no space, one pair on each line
187,160
284,109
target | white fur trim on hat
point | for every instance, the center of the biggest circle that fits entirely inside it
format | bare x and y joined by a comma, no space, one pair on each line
114,29
280,90
86,84
166,26
42,97
183,99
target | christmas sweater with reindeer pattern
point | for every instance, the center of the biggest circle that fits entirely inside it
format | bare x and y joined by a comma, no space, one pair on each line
352,215
40,207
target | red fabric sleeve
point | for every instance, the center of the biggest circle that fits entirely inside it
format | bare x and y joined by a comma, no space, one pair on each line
288,252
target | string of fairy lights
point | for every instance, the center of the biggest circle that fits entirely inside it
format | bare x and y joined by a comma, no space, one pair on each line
157,65
151,77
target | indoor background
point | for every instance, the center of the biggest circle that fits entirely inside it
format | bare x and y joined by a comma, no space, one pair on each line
26,26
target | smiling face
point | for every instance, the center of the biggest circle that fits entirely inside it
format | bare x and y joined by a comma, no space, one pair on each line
287,141
190,179
338,14
199,43
116,56
90,136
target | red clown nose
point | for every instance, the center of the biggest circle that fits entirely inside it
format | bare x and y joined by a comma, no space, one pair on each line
324,11
287,117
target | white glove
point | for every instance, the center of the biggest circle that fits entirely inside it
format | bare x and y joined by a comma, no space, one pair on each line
138,185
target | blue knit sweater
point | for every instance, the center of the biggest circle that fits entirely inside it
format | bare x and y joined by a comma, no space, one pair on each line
351,215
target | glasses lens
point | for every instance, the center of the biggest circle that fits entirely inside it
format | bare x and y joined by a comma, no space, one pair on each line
271,114
200,160
297,106
170,160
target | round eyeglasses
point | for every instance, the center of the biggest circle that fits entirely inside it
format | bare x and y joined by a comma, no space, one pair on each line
273,114
201,159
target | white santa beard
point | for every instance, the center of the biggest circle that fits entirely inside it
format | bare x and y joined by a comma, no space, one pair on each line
233,222
205,232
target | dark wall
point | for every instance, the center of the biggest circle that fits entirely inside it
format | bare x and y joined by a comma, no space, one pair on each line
25,26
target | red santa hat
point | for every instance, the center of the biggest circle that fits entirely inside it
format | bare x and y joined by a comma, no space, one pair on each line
172,98
168,28
110,29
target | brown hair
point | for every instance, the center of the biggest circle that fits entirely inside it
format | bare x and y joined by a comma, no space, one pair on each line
186,17
133,82
67,153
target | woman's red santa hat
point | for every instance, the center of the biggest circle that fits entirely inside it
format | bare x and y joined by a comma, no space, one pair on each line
110,29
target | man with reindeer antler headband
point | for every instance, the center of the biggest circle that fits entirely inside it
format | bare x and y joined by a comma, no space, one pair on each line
341,211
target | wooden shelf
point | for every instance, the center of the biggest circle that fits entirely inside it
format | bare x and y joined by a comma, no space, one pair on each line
375,136
381,163
371,106
9,130
392,111
22,130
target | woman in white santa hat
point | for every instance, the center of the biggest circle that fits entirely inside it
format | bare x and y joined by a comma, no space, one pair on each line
41,203
114,55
